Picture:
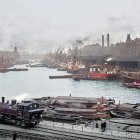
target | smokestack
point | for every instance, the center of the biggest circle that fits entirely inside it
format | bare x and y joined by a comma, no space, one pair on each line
7,101
3,99
13,102
128,38
107,40
102,40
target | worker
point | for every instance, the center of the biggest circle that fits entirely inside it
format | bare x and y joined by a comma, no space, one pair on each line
96,124
103,126
14,136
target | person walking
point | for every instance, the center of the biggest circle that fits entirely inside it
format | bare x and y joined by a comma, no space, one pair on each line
103,126
14,136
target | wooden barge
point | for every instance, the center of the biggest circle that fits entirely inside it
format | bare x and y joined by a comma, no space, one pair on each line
126,111
13,69
89,102
64,76
86,108
91,108
84,113
17,69
60,76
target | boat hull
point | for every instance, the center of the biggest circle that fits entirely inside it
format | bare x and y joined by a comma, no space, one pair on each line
132,85
95,76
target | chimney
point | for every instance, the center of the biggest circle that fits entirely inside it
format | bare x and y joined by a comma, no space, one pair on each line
107,40
128,38
7,101
13,102
3,99
102,40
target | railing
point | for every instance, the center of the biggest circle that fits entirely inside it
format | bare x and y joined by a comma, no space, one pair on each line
115,131
90,130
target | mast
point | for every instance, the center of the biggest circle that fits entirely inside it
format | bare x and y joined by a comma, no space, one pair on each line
138,69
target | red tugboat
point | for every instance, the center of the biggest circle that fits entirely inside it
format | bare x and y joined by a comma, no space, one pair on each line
97,74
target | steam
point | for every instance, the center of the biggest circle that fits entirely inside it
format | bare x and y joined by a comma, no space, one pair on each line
21,97
109,59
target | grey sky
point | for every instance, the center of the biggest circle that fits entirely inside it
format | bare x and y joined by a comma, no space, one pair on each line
45,24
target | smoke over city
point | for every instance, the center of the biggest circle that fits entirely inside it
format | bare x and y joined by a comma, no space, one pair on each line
43,25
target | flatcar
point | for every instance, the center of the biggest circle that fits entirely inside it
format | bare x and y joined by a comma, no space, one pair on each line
21,114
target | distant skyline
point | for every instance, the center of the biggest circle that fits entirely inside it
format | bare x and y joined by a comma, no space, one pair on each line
42,25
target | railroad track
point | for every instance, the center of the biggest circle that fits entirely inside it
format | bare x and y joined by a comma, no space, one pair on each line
29,134
51,135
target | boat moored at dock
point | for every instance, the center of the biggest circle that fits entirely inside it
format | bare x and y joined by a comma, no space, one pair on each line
132,85
17,69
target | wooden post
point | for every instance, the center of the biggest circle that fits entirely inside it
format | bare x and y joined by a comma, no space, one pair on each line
72,126
62,125
82,128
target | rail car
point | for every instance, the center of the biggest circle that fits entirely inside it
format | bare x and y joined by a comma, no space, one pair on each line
22,114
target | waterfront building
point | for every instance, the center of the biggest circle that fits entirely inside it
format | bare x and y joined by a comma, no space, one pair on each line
8,58
124,54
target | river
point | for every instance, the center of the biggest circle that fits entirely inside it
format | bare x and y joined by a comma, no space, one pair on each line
36,83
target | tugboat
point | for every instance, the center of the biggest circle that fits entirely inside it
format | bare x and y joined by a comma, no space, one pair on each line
97,74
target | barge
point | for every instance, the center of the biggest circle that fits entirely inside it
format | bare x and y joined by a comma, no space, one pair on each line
60,76
17,69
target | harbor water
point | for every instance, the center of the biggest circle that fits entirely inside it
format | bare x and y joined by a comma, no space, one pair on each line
36,83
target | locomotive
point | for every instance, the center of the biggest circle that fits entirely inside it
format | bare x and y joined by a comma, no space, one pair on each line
26,113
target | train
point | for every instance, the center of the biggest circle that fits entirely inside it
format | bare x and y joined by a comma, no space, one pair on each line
25,114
